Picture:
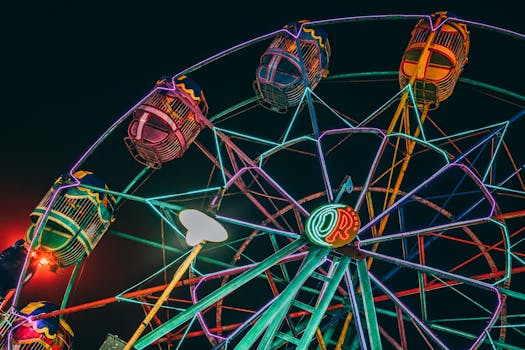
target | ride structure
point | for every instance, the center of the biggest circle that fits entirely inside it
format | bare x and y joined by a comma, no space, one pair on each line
369,214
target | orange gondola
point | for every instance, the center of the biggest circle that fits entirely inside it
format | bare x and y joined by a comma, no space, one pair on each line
434,67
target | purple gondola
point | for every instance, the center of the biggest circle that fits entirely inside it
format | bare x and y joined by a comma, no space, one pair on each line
279,80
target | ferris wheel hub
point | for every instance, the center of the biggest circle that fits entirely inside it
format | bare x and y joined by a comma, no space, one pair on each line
332,225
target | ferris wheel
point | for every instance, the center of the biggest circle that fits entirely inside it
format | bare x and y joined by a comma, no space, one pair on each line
312,205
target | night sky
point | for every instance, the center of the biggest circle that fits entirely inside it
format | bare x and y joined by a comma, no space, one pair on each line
69,70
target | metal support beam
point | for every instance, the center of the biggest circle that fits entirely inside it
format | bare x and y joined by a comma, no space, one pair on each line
217,295
368,302
268,320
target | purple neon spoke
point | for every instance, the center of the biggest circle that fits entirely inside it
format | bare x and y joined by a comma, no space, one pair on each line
491,27
449,275
355,310
423,231
362,18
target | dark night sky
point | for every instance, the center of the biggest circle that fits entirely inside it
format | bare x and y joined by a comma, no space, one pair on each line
70,69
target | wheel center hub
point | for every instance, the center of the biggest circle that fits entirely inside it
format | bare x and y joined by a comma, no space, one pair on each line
332,225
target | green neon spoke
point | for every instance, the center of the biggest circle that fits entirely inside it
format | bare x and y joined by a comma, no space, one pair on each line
520,260
186,332
381,108
248,137
119,296
463,295
183,194
506,189
273,326
493,158
422,295
219,156
69,287
233,108
324,302
350,125
468,132
294,117
133,182
284,145
283,300
416,111
423,142
517,243
166,220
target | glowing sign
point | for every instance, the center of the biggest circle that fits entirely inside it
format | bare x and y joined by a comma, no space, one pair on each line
332,225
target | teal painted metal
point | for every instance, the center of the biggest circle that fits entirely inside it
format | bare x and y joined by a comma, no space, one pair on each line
296,113
513,294
461,79
327,336
422,295
273,326
216,295
248,137
69,287
233,108
167,247
334,112
323,304
368,302
132,183
284,300
282,338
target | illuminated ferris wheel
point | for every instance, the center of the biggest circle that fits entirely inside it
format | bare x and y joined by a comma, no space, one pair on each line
313,205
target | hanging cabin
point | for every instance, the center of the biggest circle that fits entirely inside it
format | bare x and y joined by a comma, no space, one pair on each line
167,122
441,65
279,82
51,333
77,220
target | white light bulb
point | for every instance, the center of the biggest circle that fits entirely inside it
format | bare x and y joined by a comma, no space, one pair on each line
201,227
